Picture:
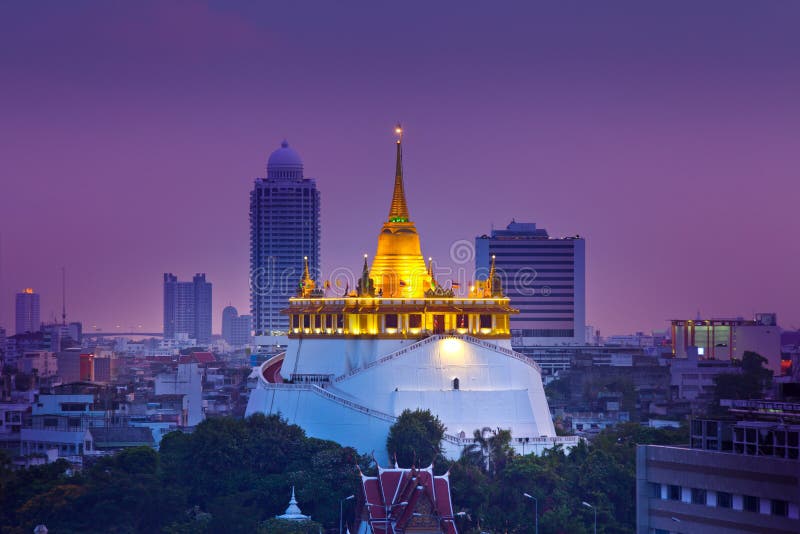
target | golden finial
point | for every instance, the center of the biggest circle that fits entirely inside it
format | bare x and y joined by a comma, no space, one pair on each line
398,212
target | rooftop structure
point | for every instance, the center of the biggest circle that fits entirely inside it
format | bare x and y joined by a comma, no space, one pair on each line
729,339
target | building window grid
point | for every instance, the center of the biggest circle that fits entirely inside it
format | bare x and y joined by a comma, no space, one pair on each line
724,499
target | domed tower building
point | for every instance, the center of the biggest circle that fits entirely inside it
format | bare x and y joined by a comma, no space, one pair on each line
400,340
284,229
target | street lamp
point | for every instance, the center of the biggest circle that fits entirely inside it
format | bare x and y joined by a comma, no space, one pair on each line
535,510
341,507
586,504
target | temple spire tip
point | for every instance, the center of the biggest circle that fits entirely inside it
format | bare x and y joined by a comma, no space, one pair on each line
398,212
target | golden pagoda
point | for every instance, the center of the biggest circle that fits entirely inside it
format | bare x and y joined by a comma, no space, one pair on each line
398,269
398,297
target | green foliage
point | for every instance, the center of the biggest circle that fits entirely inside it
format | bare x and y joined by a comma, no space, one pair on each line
236,475
602,474
491,450
229,475
416,438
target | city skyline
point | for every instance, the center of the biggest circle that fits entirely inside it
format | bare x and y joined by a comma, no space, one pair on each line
668,145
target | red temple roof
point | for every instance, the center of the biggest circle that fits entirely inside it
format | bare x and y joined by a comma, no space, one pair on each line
198,357
412,499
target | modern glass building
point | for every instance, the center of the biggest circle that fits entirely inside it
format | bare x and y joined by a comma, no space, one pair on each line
284,228
545,279
187,307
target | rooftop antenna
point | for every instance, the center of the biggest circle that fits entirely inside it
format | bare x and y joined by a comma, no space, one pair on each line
63,296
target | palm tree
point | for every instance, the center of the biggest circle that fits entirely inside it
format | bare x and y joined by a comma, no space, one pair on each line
490,449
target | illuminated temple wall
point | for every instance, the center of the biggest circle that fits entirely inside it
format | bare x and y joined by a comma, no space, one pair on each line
493,390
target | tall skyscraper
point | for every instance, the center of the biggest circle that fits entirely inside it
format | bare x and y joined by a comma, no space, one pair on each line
545,278
187,307
236,329
27,312
284,228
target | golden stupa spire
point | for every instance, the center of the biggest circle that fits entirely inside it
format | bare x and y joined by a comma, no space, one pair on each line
490,281
307,284
399,210
398,268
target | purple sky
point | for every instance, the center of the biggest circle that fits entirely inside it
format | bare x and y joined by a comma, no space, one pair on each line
668,134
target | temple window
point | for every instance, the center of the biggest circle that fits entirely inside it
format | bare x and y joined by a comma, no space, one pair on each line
317,321
391,320
306,321
462,322
339,321
329,321
456,383
295,321
485,321
415,320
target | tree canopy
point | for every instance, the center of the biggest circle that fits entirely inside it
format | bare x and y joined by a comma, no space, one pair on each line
233,475
229,475
416,438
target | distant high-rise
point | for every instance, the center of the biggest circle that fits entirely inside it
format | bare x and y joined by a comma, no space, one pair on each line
284,228
187,307
236,328
27,312
545,278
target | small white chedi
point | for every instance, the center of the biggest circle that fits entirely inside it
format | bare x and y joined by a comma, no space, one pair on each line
293,512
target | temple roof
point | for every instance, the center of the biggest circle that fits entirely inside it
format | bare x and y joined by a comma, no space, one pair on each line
401,499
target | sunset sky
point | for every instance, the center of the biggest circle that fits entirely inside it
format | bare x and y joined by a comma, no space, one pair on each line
667,134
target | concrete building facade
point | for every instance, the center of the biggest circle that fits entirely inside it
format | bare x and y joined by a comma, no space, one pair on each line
680,490
187,307
27,312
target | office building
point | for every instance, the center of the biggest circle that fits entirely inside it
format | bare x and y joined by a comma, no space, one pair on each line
545,279
739,476
284,228
729,339
187,308
27,312
236,328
